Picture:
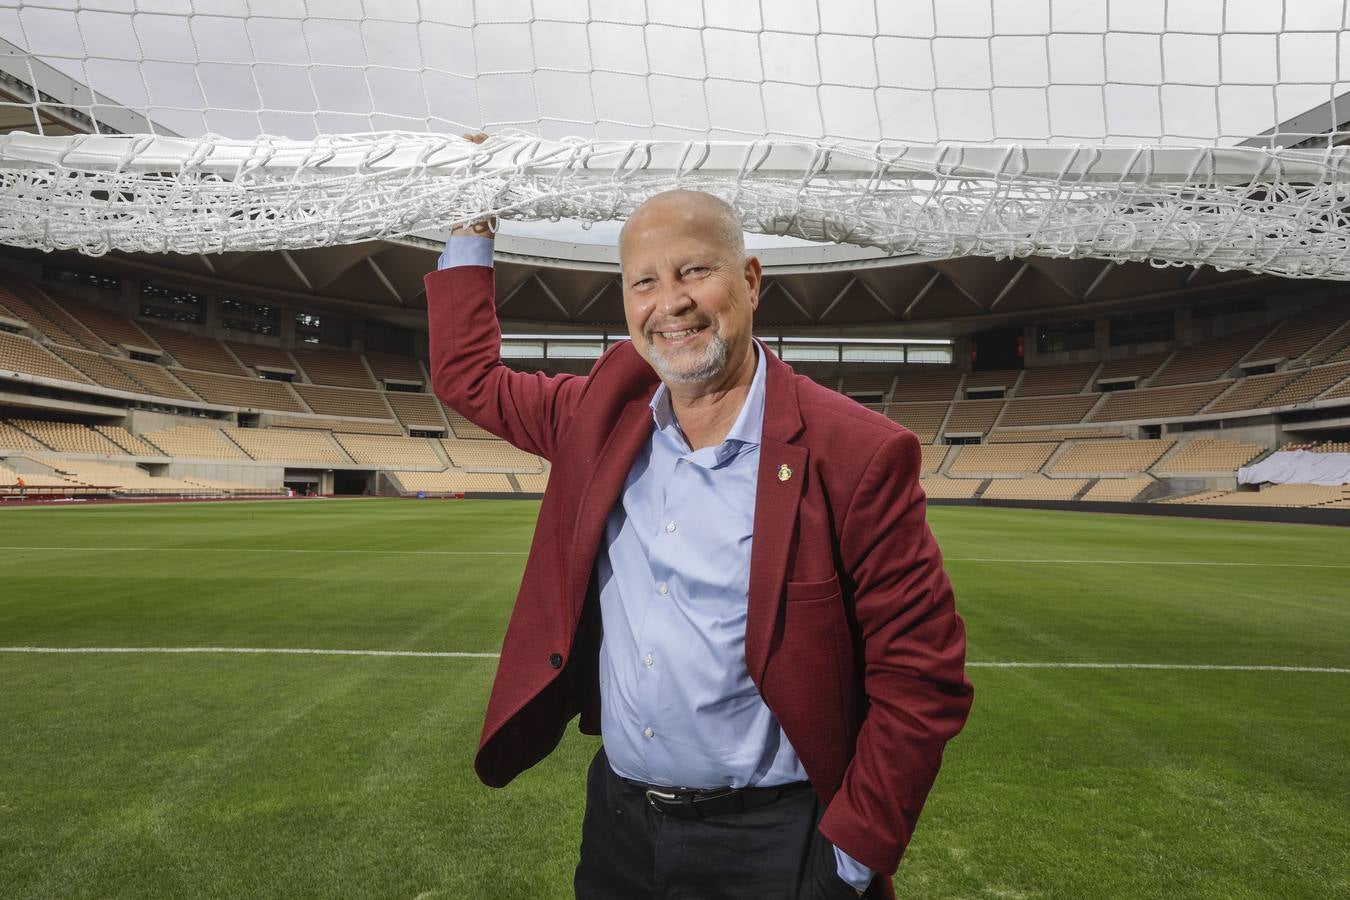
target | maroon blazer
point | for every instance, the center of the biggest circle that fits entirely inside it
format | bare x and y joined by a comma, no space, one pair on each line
851,633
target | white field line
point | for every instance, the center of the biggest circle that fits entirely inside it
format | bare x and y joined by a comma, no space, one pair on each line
269,550
449,654
961,559
299,651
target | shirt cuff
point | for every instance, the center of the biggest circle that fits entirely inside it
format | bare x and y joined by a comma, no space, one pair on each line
466,250
852,871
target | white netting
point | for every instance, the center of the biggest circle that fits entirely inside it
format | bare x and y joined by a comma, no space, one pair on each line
1203,131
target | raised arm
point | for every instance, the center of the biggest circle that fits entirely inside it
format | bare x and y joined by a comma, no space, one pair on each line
530,410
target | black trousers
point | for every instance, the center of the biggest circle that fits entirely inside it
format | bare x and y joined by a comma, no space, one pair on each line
629,851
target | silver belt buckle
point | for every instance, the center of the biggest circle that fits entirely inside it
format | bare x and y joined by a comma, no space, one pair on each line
653,796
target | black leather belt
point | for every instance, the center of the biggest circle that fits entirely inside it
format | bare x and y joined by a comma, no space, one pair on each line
685,803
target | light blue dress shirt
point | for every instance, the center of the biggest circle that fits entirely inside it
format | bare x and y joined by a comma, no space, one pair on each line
677,704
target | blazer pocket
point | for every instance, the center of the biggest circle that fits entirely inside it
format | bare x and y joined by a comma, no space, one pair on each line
813,590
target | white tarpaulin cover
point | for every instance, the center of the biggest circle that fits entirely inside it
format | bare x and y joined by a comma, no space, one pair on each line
1298,467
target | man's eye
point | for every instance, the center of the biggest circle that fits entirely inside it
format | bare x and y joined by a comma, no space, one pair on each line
694,271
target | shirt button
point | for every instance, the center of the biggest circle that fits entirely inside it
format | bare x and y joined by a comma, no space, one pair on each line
648,733
648,661
663,588
555,660
670,528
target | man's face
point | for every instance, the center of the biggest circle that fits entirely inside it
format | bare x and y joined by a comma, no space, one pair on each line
689,301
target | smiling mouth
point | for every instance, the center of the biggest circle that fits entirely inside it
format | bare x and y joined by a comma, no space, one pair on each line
674,336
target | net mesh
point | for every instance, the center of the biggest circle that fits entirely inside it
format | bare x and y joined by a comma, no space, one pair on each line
1178,133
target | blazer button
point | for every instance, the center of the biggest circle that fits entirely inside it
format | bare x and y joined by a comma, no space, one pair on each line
555,660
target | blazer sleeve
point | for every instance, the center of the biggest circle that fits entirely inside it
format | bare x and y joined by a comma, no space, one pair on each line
530,410
913,660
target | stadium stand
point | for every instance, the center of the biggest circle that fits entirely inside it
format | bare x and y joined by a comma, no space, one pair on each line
924,419
494,456
247,393
385,450
336,368
932,383
1286,495
69,437
112,329
1139,367
288,445
389,367
934,455
533,484
1298,334
133,444
191,351
999,459
1024,412
157,380
262,356
196,442
1157,403
417,410
40,485
860,386
1034,488
972,416
337,412
1043,381
126,479
233,488
345,425
1065,434
1335,346
463,428
1209,455
940,488
1312,383
1208,360
331,401
1110,457
100,369
22,354
1247,393
1006,379
33,313
1117,490
11,438
451,482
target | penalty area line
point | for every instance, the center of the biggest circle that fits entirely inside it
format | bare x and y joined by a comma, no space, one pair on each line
458,654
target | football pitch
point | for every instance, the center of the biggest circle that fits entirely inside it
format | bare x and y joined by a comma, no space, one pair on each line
1180,725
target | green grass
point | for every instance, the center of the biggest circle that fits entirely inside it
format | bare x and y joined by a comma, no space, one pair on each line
156,775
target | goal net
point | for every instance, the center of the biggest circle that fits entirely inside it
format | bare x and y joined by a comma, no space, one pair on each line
1178,133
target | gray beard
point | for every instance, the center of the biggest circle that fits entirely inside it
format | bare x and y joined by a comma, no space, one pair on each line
713,362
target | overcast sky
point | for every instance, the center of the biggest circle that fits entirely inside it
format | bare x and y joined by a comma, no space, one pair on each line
1121,71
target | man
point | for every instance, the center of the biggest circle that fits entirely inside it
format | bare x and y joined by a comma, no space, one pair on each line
731,581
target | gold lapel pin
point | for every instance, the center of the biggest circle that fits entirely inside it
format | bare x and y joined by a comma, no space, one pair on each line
784,473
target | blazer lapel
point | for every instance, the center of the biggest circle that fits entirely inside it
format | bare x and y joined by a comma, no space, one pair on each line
778,492
782,472
609,471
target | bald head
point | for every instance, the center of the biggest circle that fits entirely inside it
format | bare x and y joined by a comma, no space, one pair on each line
712,215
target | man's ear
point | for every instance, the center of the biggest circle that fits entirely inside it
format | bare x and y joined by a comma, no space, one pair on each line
754,275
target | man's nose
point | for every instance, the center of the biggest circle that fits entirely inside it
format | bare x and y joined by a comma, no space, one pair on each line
674,299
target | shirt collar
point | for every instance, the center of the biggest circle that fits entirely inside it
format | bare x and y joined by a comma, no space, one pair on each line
746,431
